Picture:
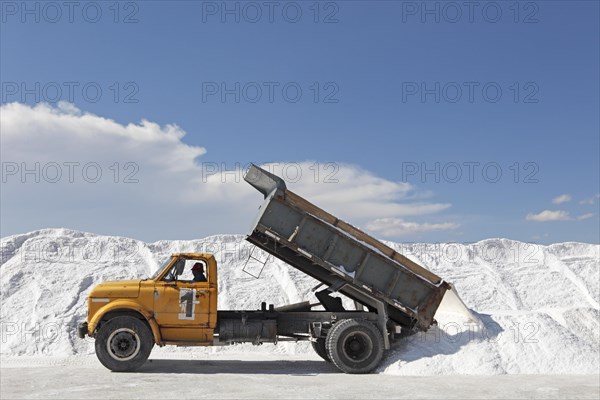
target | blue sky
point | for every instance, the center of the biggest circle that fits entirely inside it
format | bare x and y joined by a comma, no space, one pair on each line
380,86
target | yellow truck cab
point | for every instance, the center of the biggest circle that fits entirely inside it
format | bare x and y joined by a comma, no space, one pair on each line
172,305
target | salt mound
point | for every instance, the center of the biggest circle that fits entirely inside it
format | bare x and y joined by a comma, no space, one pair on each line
538,306
534,309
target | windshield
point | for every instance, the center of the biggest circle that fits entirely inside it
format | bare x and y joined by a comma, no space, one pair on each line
162,267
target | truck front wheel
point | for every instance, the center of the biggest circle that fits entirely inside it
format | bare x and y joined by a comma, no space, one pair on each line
355,346
123,344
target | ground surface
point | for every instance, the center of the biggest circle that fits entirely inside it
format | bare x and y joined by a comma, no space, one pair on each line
265,377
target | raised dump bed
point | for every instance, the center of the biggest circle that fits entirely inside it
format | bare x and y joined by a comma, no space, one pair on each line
342,256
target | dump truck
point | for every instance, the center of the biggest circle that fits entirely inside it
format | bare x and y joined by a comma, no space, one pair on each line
392,296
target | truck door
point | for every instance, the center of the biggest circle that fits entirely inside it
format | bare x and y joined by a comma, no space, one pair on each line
182,306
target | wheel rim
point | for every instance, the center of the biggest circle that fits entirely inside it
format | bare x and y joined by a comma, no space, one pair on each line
123,344
358,346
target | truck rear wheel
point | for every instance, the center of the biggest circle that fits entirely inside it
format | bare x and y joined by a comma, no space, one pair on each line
124,343
355,346
320,348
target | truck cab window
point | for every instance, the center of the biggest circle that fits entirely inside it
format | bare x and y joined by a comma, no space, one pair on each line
160,269
194,271
175,271
191,271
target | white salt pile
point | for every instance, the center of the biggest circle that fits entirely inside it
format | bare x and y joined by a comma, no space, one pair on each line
538,306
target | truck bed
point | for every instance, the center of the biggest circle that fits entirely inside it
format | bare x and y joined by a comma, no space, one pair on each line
342,256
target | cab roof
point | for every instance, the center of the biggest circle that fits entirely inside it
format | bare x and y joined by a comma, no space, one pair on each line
193,256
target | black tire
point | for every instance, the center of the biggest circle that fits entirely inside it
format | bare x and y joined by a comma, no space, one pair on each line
124,343
320,348
355,346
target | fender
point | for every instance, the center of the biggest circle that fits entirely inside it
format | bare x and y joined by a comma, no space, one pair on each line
125,305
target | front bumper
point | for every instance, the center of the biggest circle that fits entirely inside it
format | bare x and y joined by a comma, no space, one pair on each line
82,330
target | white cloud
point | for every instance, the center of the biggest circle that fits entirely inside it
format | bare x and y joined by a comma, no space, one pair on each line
585,216
58,134
345,190
563,198
391,227
174,196
590,200
548,215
